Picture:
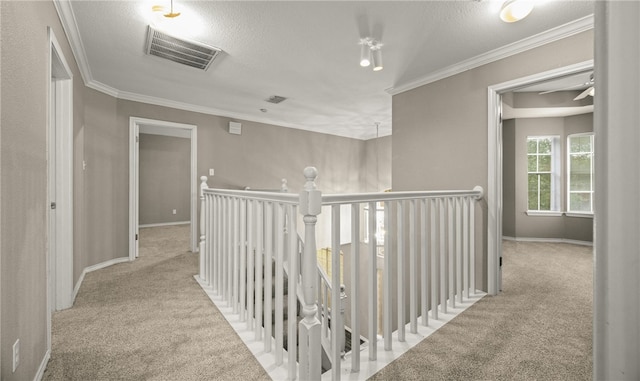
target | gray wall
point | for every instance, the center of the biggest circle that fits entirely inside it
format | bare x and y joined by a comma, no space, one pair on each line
165,168
440,129
378,164
24,55
263,154
516,222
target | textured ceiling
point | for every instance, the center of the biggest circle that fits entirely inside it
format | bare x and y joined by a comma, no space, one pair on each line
306,51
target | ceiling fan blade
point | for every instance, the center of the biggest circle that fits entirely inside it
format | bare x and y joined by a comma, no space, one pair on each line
585,93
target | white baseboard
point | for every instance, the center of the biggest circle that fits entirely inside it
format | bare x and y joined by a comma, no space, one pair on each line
95,267
43,366
548,240
165,224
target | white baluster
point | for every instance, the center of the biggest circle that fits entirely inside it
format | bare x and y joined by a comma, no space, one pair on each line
236,256
424,263
310,348
259,253
243,259
459,236
268,277
413,269
472,248
251,268
400,273
451,253
465,247
435,259
387,303
373,285
336,305
355,285
279,286
443,256
203,186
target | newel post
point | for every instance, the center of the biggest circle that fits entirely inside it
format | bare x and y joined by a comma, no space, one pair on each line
203,186
310,347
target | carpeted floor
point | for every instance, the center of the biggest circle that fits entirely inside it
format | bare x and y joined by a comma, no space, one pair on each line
538,328
149,320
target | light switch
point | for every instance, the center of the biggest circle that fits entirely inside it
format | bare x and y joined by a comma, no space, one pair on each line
211,171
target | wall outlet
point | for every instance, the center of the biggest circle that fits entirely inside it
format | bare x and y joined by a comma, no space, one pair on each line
211,171
174,211
16,354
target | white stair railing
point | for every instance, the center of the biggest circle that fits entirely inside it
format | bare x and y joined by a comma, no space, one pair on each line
246,236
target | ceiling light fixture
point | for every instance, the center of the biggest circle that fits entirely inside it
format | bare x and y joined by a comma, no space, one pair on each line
371,51
515,10
170,15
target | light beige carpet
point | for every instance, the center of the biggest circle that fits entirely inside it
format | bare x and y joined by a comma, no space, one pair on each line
538,328
149,320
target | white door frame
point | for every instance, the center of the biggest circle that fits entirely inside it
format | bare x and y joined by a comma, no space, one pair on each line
494,183
59,150
134,177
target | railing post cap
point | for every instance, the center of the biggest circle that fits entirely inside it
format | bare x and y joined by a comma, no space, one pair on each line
203,179
310,173
478,188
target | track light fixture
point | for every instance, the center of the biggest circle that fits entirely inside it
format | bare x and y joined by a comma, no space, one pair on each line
370,50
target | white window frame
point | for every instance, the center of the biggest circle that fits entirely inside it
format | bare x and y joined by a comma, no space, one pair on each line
555,177
569,212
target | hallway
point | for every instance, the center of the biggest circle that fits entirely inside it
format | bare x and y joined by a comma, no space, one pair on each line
150,320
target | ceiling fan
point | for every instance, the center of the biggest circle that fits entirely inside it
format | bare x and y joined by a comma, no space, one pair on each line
589,91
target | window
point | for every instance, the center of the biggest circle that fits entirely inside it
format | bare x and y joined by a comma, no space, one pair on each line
379,226
580,170
543,173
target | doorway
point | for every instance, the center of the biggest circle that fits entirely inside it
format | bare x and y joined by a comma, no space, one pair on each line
165,128
495,163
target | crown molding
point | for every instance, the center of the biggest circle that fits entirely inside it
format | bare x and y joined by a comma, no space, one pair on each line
540,39
70,27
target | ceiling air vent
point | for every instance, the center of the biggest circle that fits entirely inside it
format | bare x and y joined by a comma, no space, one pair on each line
184,52
275,99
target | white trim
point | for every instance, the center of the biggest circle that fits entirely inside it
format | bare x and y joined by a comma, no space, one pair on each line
579,215
95,267
43,366
494,181
548,240
540,39
165,224
134,186
70,26
543,213
59,131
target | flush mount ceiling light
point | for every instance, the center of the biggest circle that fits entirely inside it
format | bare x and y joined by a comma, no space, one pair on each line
515,10
371,51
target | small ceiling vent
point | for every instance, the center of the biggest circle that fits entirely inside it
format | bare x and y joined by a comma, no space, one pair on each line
190,53
275,99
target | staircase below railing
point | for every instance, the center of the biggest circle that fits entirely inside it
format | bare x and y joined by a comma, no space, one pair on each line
250,247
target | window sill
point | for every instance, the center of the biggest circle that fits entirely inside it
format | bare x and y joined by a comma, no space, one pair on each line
543,213
578,214
546,213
